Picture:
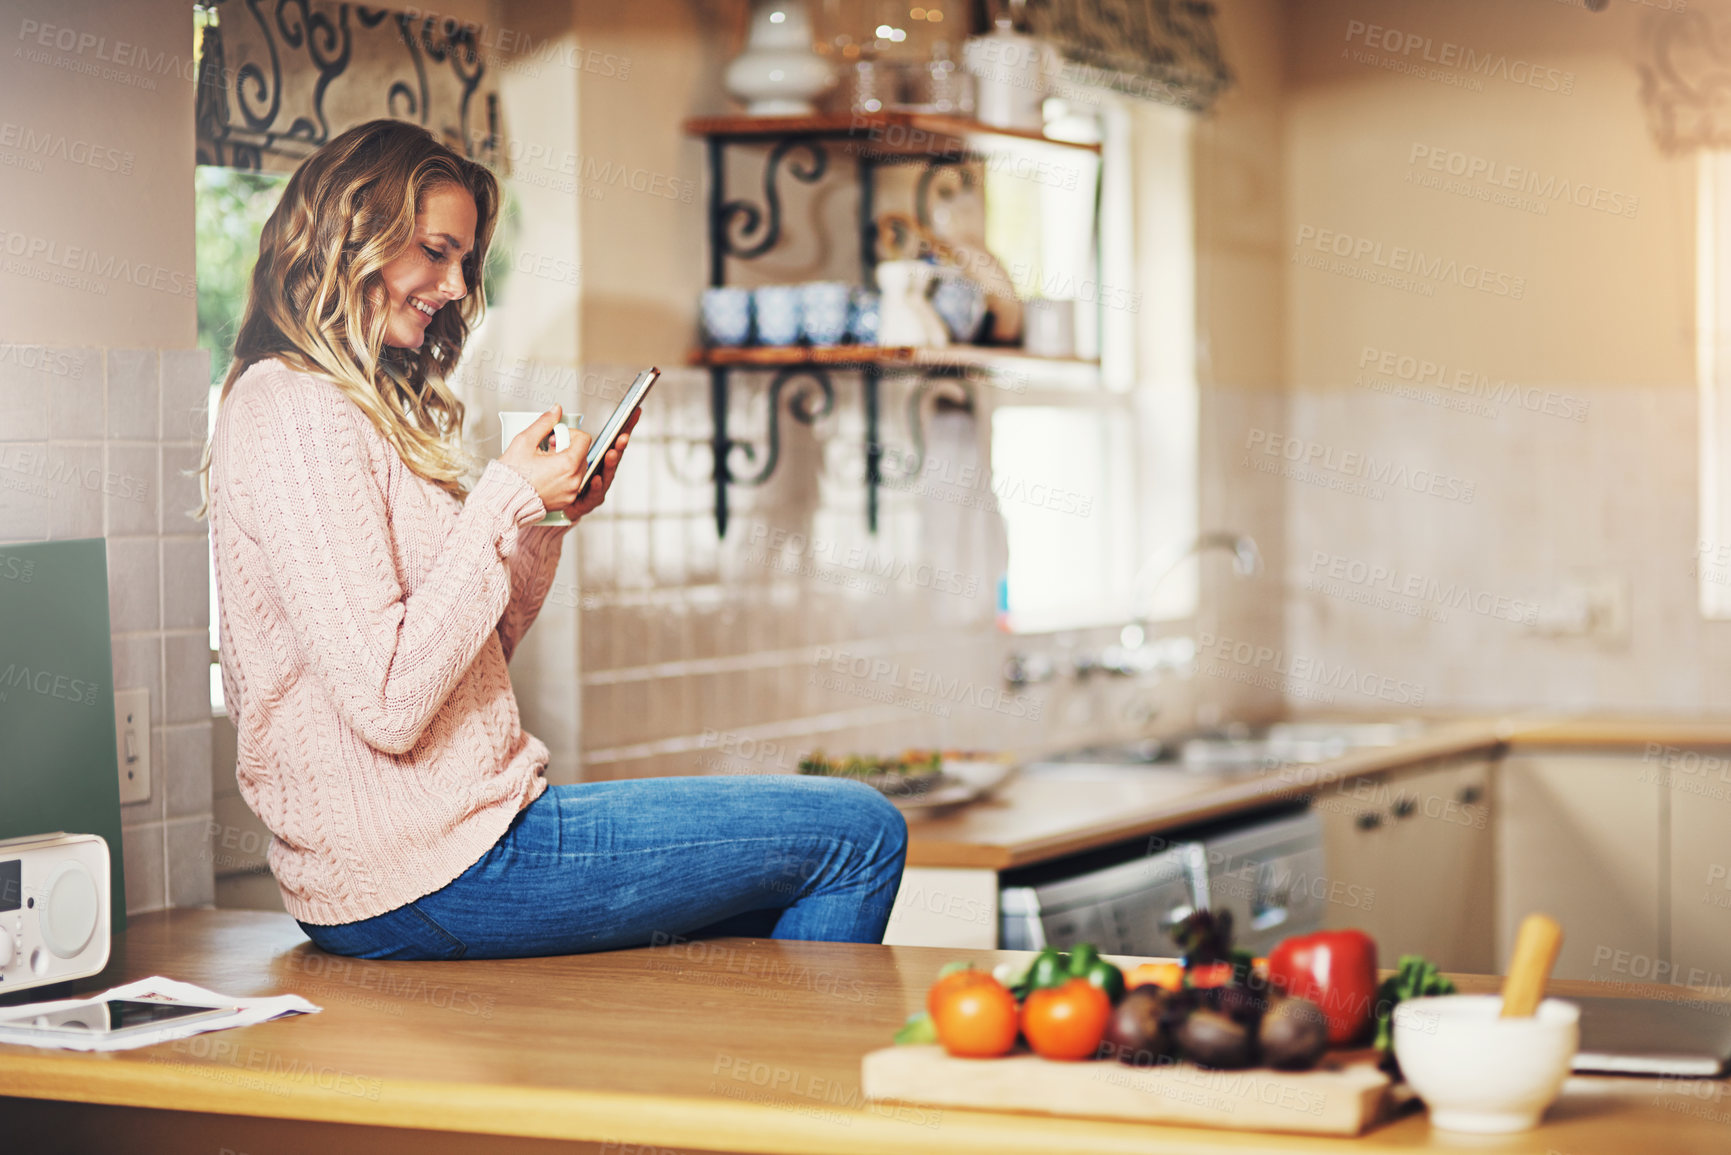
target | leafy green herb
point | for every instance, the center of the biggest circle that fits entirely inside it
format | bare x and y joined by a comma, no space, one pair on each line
910,763
1205,936
1415,979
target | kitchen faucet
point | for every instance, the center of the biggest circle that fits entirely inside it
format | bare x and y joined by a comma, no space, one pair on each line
1246,558
1246,562
1135,654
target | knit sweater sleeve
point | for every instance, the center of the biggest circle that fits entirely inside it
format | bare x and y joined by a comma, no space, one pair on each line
386,661
532,569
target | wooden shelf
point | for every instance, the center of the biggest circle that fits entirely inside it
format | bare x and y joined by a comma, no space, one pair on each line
982,357
906,133
800,149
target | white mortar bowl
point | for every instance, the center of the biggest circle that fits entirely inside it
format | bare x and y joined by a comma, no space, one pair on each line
1481,1073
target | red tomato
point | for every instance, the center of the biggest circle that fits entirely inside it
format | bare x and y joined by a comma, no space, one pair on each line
975,1020
1066,1022
955,980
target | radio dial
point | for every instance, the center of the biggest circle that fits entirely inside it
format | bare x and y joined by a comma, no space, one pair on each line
71,910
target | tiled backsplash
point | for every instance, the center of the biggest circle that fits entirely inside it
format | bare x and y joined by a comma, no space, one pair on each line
93,443
1468,586
802,629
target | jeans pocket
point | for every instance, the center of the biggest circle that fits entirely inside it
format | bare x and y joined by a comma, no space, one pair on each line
437,938
404,933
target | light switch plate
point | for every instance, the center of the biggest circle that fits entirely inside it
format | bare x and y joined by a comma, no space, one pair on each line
132,743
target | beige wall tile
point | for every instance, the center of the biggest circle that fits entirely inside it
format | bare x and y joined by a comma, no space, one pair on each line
134,392
184,774
75,392
23,402
190,880
131,490
146,872
134,587
77,492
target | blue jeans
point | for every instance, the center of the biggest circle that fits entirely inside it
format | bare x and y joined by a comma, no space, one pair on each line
605,865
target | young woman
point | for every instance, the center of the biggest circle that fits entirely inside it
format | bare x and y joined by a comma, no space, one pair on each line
369,600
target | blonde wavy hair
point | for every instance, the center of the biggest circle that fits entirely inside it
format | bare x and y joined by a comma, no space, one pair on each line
317,300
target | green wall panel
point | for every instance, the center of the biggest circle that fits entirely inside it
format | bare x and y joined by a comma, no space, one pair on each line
57,762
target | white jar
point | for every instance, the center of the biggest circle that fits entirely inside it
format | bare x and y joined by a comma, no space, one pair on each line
1011,72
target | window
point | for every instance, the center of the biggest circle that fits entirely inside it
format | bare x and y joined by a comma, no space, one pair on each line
1096,474
1713,361
230,208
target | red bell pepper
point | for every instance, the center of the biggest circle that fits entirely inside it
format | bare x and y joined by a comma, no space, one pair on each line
1336,970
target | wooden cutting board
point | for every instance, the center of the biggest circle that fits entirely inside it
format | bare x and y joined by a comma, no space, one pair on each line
1341,1097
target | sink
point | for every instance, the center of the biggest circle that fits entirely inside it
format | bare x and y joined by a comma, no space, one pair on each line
1238,747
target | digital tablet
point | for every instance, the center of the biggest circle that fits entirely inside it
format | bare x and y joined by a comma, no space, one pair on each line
615,423
111,1017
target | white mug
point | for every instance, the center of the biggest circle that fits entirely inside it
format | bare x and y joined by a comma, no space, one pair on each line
514,422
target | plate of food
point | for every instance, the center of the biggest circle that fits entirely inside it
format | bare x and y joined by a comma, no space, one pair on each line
918,779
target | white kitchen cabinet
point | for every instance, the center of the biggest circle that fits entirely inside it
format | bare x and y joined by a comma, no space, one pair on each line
1699,788
945,906
1410,860
1580,837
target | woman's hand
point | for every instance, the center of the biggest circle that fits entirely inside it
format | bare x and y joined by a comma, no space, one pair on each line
555,474
603,479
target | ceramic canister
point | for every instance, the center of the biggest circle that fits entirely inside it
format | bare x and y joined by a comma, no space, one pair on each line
1010,72
1049,327
778,74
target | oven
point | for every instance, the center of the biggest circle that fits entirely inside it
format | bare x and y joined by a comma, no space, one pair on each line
1264,868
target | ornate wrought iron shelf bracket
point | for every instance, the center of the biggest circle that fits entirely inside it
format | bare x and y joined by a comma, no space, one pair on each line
725,239
910,463
746,230
812,399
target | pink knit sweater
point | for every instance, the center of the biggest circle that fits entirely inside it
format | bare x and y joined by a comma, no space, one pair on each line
366,617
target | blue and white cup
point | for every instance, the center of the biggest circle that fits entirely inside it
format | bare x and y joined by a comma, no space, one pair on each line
727,315
824,311
863,315
778,313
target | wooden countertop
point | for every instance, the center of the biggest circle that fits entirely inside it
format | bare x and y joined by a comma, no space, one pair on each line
748,1045
1033,818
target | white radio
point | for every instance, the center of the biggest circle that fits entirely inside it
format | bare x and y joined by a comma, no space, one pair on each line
54,909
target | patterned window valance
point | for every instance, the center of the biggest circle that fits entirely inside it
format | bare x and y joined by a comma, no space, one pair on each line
279,78
1163,50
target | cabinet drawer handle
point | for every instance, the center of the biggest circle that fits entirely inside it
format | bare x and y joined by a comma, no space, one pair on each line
1469,795
1404,808
1369,820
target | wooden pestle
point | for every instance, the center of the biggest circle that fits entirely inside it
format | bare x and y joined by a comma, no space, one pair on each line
1536,950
